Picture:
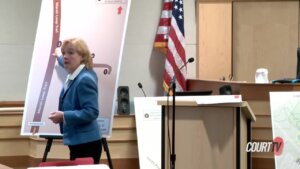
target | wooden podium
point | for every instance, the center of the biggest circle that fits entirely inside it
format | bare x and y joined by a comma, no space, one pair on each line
207,136
257,96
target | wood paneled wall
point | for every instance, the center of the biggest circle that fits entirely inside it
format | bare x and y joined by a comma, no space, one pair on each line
214,39
238,36
264,33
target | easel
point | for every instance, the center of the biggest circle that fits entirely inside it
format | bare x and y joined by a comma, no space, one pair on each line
50,141
48,145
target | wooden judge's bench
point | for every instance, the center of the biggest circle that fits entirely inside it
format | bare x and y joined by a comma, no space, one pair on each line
257,96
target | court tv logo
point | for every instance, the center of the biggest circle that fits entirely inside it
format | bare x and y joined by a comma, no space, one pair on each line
276,146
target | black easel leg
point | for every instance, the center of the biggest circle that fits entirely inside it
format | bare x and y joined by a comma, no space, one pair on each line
105,146
47,149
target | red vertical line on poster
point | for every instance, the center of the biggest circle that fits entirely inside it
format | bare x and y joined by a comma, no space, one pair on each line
49,71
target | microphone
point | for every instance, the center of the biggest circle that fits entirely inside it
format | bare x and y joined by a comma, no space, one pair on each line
190,60
141,87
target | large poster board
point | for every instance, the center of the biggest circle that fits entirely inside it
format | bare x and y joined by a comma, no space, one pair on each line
285,113
102,24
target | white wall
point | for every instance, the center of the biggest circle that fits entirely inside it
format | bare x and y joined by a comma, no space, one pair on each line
18,24
141,63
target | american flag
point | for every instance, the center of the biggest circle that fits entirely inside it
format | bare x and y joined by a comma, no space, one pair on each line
170,35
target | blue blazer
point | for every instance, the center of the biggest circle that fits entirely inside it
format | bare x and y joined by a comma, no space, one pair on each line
80,106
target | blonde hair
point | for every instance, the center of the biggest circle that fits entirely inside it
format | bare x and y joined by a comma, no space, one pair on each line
82,49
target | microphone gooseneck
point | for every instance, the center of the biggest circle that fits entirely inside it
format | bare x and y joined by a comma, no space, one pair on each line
172,88
141,87
190,60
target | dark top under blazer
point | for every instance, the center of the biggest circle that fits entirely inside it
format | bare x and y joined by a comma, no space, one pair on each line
80,106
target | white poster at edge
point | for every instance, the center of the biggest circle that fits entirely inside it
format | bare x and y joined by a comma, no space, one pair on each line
285,114
148,127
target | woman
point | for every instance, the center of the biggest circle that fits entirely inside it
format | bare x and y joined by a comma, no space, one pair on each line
78,102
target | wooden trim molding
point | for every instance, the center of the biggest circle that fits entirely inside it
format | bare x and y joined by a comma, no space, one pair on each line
11,103
25,151
263,163
27,161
